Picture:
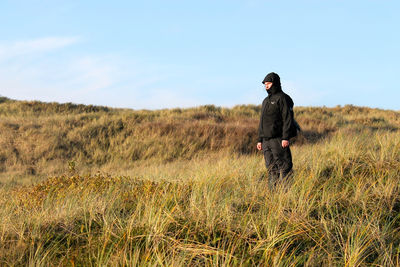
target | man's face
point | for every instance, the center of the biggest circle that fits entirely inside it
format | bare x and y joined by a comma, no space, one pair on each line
268,85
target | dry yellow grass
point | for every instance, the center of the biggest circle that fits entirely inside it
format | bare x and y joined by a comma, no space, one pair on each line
198,198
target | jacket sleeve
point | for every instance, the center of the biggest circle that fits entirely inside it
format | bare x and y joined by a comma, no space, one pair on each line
260,123
287,116
260,130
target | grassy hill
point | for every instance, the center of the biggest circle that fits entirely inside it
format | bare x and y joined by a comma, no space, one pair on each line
40,139
89,185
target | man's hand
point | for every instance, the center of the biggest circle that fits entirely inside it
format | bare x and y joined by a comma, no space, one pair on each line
259,145
285,143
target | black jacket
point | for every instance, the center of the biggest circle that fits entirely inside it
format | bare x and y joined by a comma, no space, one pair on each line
277,118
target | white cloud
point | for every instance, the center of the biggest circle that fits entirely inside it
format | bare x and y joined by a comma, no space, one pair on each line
34,46
28,71
88,80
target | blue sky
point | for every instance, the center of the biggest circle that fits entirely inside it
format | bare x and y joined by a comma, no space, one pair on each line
163,54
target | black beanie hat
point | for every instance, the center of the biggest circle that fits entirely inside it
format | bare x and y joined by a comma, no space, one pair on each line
273,78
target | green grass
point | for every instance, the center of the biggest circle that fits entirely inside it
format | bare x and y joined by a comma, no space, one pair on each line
196,203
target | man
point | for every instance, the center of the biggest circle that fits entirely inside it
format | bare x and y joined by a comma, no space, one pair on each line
275,129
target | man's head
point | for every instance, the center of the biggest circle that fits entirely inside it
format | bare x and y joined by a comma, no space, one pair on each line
272,80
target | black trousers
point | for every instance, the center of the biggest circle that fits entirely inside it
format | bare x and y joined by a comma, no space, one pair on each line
278,160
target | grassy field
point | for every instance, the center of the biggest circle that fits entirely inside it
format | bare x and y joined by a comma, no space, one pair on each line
95,186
